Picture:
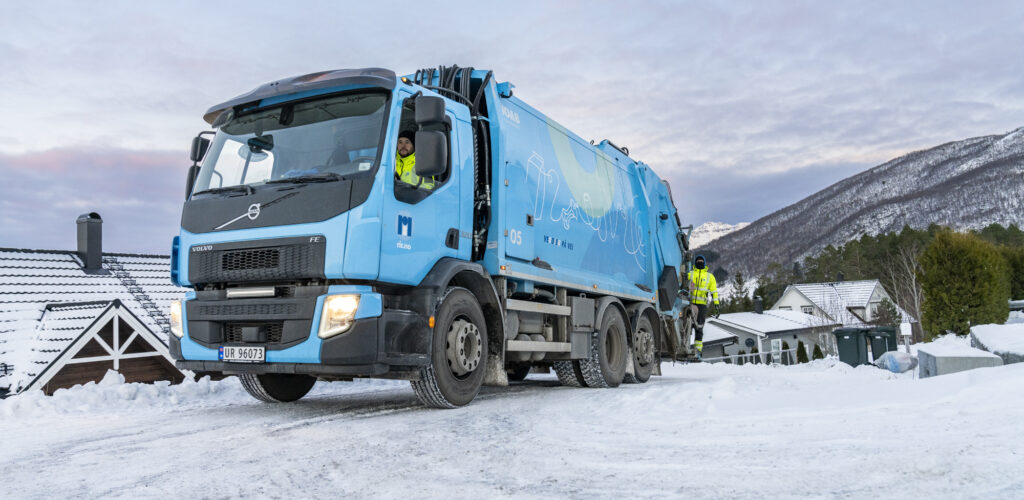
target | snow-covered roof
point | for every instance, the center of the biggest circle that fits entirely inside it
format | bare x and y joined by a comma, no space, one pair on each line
837,299
59,326
849,293
34,283
772,321
714,334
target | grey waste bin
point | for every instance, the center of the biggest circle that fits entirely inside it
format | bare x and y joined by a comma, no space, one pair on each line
852,345
883,339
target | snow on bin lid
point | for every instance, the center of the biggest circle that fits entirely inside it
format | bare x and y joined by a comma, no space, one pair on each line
954,350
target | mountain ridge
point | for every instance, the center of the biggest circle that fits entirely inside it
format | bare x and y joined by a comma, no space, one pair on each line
960,184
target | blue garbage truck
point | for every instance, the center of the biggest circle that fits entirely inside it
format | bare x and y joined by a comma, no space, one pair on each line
496,241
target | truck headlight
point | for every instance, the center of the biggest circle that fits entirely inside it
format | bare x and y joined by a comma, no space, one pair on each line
338,315
176,327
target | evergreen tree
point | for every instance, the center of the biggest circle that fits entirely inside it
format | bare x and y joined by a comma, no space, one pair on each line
887,315
740,360
1014,256
785,358
965,282
817,352
801,352
755,359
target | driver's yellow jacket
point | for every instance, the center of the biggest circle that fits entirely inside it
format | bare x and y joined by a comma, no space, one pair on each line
405,170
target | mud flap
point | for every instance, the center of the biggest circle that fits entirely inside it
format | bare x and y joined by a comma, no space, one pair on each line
496,374
630,369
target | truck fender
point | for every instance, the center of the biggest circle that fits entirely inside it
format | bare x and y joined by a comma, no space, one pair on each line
604,303
634,313
473,277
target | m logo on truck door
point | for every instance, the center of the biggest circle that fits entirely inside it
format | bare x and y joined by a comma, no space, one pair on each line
405,225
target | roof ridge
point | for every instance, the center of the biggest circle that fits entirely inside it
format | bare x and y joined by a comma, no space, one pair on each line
72,252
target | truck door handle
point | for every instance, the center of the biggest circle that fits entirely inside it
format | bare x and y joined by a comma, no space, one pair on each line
451,240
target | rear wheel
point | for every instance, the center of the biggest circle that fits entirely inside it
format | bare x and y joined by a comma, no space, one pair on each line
458,353
276,387
569,373
606,366
643,352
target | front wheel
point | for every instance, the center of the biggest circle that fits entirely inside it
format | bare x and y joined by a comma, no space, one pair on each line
276,387
458,353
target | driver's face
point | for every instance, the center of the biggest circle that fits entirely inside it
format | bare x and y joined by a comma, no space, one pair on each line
405,147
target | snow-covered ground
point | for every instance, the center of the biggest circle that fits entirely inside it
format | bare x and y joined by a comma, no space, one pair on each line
720,431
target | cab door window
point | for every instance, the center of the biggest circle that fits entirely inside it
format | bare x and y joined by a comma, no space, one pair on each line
409,186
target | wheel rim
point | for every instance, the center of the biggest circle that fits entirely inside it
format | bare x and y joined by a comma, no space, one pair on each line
463,347
644,346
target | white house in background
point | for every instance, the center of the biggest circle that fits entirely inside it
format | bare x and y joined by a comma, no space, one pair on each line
68,317
851,303
754,329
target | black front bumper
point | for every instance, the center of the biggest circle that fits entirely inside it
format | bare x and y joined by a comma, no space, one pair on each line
397,341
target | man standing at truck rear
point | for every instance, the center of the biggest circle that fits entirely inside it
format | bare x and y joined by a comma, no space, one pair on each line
702,283
405,161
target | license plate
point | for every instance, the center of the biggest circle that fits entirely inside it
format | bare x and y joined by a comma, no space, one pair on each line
241,354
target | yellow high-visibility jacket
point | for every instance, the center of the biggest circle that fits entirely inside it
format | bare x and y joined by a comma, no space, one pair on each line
702,283
405,169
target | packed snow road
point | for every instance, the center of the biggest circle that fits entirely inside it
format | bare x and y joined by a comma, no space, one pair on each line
822,429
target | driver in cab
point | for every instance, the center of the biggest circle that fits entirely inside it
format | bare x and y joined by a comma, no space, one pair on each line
405,161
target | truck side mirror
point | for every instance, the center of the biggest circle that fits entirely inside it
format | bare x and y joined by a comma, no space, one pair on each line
429,111
431,151
190,181
200,145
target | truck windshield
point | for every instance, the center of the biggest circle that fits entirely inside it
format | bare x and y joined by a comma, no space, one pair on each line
325,139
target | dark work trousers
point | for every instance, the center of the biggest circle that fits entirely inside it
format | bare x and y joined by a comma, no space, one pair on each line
702,314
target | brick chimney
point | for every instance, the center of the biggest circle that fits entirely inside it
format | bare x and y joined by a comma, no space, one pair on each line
90,242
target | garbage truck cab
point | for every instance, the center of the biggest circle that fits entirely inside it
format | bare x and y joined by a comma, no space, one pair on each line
512,243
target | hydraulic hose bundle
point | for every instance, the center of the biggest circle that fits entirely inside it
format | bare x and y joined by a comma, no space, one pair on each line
456,83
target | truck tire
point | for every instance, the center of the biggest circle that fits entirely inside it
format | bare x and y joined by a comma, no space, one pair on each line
569,373
277,387
606,366
458,357
643,353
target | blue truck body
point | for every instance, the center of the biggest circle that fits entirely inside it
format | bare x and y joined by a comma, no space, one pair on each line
552,235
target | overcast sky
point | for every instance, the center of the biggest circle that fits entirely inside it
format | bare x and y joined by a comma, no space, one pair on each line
745,107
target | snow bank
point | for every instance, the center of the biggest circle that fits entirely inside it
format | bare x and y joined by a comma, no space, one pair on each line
113,393
1015,317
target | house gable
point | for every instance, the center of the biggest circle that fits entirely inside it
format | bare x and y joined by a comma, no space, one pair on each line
115,340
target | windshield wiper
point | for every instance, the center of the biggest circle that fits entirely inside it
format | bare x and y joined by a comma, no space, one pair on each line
308,179
241,187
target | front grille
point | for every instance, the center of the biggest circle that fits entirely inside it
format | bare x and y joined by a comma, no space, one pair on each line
261,258
233,332
293,259
268,309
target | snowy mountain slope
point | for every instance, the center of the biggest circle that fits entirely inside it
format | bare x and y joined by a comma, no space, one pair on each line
701,431
966,184
711,231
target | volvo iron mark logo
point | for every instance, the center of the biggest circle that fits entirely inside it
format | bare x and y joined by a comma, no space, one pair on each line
252,213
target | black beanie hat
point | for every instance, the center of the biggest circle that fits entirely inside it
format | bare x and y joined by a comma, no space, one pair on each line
408,134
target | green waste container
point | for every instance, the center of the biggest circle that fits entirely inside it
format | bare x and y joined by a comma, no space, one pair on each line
883,339
852,345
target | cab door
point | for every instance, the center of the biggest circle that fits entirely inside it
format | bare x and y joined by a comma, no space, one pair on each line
421,226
